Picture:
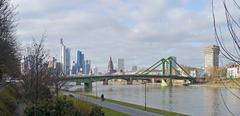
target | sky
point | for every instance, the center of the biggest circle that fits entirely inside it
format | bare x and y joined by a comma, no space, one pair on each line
140,31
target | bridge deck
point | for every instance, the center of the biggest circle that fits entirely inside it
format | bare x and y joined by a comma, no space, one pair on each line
127,77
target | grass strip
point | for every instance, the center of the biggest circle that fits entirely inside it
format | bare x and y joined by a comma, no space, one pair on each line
149,109
86,107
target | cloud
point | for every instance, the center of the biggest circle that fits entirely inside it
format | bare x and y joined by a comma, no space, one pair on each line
139,31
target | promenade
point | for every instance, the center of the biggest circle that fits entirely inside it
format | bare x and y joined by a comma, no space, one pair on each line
120,108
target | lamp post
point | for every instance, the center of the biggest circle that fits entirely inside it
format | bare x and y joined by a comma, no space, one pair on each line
145,95
96,90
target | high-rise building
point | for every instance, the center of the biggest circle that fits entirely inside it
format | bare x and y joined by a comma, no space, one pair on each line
95,70
25,64
80,62
83,63
87,67
28,51
110,67
211,58
79,53
65,58
121,65
52,62
68,61
134,68
62,56
22,65
74,68
58,67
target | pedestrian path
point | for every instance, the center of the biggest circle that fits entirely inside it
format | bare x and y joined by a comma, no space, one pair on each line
120,108
19,111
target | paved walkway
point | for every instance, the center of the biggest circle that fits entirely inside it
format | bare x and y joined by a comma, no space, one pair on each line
19,111
120,108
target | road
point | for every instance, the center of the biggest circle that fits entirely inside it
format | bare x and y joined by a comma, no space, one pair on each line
120,108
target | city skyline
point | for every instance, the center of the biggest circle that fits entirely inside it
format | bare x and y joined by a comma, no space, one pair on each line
103,29
120,57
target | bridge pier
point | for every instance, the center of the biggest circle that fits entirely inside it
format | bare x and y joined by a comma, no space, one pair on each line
130,81
170,83
78,82
105,82
164,83
152,80
88,86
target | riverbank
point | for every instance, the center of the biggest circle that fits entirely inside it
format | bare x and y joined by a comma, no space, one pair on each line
221,83
149,109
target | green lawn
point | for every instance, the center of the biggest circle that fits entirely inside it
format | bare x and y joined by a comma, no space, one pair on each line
86,107
109,112
149,109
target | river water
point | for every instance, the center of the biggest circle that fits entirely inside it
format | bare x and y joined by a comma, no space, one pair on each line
191,100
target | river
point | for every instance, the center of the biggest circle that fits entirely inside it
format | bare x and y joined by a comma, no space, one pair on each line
191,100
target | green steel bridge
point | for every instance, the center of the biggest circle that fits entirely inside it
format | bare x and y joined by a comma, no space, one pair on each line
168,69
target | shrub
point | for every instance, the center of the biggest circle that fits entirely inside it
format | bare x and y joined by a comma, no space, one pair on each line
3,109
97,111
52,107
8,102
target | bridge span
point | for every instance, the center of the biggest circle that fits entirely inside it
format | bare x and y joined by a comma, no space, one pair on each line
169,70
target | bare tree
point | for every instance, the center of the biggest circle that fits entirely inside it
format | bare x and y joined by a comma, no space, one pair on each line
57,81
36,77
231,52
9,56
217,72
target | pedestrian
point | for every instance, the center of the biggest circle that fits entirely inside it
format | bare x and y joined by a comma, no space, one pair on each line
102,97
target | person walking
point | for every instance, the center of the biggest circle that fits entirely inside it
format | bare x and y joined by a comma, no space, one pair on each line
102,97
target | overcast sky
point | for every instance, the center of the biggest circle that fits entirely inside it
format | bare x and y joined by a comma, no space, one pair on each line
140,31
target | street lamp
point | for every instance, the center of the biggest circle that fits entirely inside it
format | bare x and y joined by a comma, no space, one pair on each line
96,90
145,95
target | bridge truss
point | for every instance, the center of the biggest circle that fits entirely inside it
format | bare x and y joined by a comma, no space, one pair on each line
166,69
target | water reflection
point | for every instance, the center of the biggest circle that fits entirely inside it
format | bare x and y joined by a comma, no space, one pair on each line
209,100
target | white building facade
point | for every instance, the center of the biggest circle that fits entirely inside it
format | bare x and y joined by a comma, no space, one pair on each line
233,71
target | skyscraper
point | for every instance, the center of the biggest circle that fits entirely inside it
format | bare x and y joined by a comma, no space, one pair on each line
74,68
80,62
110,66
52,62
62,56
83,63
211,58
95,70
134,68
68,60
65,58
88,67
120,65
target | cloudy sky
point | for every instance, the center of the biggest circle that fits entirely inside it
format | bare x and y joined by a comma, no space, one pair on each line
140,31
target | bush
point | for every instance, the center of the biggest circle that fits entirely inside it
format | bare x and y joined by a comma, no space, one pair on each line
8,102
43,93
52,107
97,111
3,109
63,106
